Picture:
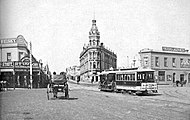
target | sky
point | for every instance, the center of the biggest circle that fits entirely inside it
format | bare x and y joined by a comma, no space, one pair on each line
58,29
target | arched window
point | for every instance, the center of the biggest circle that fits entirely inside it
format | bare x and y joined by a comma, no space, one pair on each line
94,65
90,65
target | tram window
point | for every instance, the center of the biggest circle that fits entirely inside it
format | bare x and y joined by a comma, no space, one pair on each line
125,77
138,76
133,77
121,77
128,77
143,76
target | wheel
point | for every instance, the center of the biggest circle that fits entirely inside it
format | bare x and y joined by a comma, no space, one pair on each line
48,91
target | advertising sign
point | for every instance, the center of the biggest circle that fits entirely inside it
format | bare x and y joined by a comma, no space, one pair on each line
19,64
174,49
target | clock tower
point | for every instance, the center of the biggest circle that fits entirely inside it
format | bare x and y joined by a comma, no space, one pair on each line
94,35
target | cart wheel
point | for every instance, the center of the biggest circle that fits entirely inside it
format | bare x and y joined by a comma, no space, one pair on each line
48,91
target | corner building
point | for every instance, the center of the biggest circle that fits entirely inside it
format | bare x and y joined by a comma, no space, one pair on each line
15,64
170,64
95,57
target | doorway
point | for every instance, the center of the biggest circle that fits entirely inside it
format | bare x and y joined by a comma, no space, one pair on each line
181,77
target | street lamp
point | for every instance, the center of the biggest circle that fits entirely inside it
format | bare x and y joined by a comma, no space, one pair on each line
40,68
31,65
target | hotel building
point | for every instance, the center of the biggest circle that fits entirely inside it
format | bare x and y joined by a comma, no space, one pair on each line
170,64
15,64
94,57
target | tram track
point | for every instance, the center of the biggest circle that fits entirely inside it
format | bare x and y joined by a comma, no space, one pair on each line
140,110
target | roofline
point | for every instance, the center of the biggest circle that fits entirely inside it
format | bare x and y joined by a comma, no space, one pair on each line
163,52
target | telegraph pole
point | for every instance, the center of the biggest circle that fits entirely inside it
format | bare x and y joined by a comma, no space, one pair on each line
31,65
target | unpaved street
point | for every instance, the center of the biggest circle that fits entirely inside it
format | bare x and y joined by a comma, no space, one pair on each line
86,102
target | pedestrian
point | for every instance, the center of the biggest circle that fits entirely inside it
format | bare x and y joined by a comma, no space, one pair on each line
92,80
55,89
78,80
177,82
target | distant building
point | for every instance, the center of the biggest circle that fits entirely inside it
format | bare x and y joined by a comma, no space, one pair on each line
94,57
170,64
15,63
73,72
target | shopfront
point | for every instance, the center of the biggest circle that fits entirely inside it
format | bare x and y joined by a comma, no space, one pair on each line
17,74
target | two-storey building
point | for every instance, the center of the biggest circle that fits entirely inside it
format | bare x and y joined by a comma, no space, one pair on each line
170,64
15,63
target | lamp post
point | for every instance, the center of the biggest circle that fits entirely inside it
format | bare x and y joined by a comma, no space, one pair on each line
31,65
40,68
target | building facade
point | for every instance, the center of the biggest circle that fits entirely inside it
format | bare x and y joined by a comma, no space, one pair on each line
170,64
73,72
15,64
94,57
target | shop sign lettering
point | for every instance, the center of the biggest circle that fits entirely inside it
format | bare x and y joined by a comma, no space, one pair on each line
18,64
174,49
7,41
6,64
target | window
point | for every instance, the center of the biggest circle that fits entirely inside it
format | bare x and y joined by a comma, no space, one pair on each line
157,61
145,61
173,62
8,56
165,62
161,75
21,55
181,62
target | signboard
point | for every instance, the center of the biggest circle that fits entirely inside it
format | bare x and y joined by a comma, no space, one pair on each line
8,41
19,64
6,64
174,49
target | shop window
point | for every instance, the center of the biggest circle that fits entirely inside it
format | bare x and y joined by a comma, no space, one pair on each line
169,78
161,75
157,61
8,56
165,62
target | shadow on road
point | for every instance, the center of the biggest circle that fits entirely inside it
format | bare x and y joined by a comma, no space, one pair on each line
64,98
158,94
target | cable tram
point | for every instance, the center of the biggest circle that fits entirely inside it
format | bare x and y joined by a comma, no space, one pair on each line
140,80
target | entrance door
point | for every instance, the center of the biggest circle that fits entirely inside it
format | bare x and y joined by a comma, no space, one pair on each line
181,77
96,78
173,77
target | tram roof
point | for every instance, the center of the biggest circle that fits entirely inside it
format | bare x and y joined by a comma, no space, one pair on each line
127,71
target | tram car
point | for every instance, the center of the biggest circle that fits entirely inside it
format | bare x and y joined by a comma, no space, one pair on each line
136,81
57,84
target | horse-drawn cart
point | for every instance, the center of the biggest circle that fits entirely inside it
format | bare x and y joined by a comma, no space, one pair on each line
57,84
